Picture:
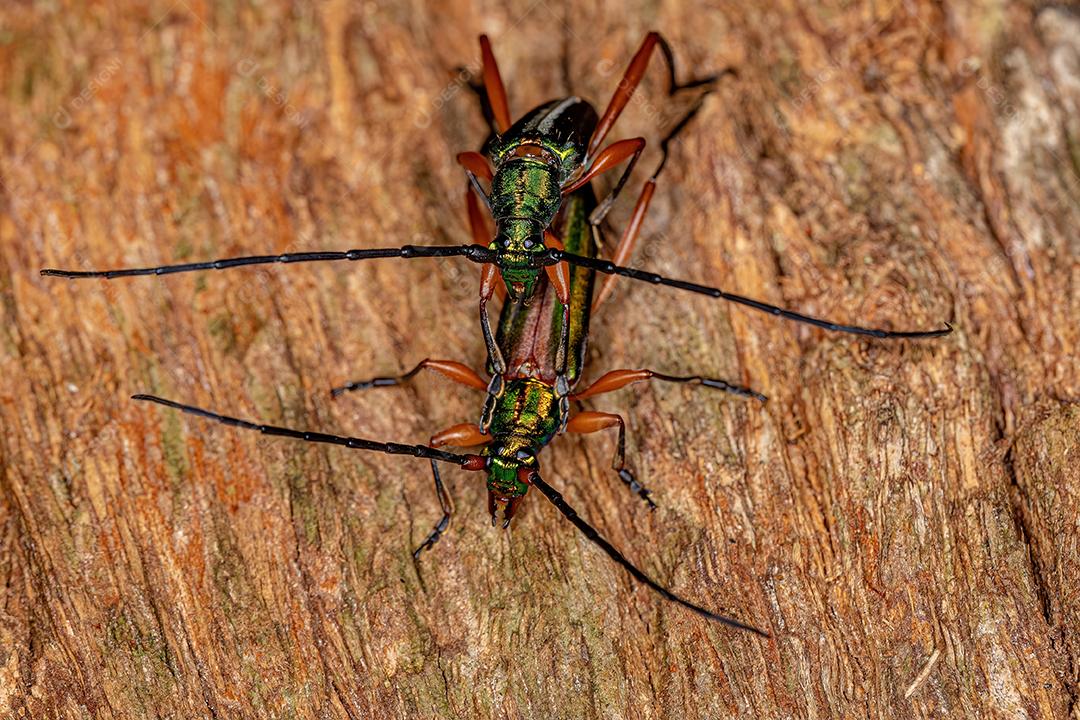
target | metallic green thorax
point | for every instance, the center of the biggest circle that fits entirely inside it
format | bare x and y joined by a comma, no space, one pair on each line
527,414
528,189
526,417
533,160
525,196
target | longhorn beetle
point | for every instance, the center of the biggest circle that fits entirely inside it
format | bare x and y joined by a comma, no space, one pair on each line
547,217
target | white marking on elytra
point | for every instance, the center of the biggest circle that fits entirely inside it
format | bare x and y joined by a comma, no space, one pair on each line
549,119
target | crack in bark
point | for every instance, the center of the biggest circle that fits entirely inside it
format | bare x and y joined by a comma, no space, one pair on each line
309,603
207,695
1020,502
446,681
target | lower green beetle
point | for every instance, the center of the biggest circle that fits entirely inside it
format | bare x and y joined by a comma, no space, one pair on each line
525,412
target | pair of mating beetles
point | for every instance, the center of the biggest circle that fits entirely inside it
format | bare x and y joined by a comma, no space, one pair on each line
535,178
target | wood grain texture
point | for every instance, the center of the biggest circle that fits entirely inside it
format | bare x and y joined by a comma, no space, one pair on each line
902,517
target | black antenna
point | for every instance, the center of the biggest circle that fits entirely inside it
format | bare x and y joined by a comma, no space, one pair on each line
716,383
475,253
469,462
592,534
552,256
480,254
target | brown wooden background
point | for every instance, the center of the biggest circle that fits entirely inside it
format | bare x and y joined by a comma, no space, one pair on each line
902,517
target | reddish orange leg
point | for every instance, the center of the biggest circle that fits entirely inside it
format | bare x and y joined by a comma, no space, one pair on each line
619,100
619,151
461,374
611,157
493,86
630,80
481,232
463,435
635,71
633,229
590,422
476,166
617,379
559,273
627,242
559,276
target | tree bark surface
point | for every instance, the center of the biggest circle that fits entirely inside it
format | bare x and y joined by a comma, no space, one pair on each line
902,517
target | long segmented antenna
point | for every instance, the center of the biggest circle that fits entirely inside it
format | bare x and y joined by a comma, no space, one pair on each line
594,535
475,253
468,462
552,256
480,254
